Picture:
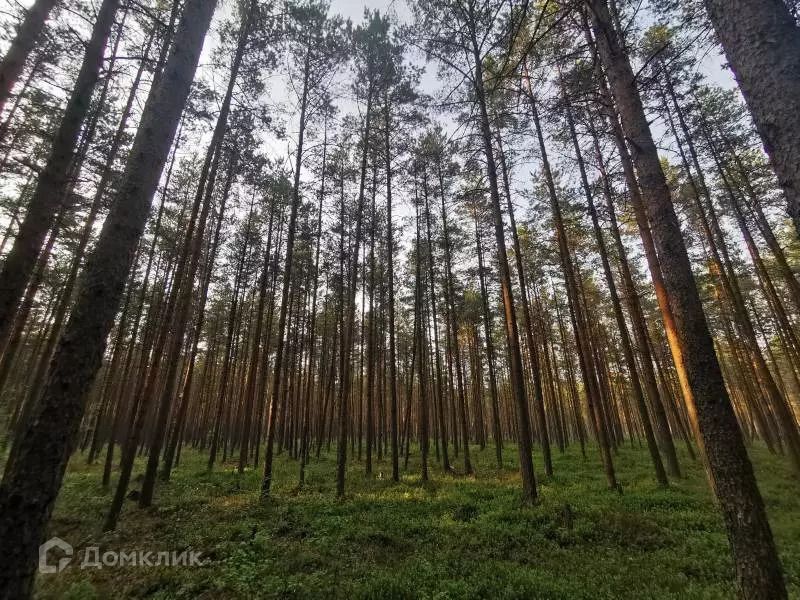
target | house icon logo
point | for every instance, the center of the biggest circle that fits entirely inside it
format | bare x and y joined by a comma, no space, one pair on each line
46,548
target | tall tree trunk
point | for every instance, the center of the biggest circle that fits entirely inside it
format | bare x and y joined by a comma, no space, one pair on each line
539,411
54,181
512,331
450,342
30,487
390,276
627,349
287,281
761,40
586,360
757,564
184,397
372,357
421,341
28,33
305,441
487,332
102,187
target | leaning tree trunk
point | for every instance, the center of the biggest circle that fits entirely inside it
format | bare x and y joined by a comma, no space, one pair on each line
757,565
28,34
54,181
762,43
30,487
630,361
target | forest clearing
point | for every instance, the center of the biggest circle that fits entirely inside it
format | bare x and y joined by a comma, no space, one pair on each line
400,299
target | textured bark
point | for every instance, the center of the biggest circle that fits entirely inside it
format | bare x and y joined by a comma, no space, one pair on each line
30,487
757,565
9,357
761,40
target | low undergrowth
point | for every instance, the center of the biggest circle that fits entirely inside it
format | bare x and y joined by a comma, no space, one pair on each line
453,537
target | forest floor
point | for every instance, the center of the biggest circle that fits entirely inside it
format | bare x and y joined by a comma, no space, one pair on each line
454,537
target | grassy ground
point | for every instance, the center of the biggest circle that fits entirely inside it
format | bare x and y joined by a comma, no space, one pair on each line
455,537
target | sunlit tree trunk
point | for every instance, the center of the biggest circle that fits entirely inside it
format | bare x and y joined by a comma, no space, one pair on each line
758,567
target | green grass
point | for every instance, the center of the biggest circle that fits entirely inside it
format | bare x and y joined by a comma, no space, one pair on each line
454,537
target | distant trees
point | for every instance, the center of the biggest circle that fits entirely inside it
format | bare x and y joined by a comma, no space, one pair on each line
317,45
460,35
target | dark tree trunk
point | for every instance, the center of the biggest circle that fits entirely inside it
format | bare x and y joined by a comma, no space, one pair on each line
390,276
762,44
757,564
30,487
54,181
28,34
529,492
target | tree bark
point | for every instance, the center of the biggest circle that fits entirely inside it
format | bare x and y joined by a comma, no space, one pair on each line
28,33
30,487
761,40
757,564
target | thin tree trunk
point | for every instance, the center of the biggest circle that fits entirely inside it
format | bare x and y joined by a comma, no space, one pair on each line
390,276
512,331
287,281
